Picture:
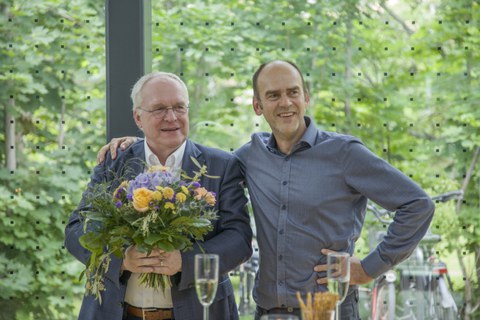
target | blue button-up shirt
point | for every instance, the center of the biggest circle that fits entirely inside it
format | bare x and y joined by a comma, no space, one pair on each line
315,198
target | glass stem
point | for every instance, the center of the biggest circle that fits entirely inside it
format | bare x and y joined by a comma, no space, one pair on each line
205,313
337,311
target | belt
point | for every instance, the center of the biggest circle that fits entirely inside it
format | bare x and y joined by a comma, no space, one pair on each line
288,310
150,313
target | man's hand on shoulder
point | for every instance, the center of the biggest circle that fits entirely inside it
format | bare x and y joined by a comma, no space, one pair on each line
113,145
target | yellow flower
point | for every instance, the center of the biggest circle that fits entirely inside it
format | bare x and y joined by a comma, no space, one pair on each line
168,193
181,197
210,198
169,205
200,193
185,189
141,199
157,196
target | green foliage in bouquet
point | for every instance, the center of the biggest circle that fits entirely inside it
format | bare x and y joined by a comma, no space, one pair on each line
153,211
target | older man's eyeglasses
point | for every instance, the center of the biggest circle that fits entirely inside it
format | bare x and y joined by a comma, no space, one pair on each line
162,112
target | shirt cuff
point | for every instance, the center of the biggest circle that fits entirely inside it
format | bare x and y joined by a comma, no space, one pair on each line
374,265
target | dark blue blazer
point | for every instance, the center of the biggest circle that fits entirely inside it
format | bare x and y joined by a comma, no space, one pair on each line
230,238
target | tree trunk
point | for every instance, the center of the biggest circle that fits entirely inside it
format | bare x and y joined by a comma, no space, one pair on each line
467,292
10,152
397,18
477,265
61,129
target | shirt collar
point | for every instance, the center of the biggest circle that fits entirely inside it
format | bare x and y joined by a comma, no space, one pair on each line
307,140
174,161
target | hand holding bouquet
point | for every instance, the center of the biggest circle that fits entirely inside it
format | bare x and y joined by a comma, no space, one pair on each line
152,211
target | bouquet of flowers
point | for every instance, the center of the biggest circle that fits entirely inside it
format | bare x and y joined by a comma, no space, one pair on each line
153,211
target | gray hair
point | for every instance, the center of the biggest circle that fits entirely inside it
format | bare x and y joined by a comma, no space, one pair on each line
137,88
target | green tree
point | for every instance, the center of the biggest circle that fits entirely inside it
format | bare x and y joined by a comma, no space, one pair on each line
52,93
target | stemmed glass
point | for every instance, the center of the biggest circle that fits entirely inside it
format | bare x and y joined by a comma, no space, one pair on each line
206,279
338,276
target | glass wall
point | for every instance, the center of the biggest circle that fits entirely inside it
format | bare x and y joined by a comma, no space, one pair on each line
401,75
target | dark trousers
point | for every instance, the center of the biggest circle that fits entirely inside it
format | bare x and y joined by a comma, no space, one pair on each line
348,309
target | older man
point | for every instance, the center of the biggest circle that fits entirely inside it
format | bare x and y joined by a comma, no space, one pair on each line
160,109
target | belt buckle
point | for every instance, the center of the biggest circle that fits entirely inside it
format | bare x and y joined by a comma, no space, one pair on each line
147,310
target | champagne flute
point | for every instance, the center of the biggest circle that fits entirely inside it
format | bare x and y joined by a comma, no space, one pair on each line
206,279
338,276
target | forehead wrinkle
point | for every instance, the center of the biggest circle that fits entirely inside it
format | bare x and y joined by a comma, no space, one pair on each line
279,90
165,100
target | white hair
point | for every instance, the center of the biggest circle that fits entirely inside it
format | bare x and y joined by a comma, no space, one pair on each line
138,86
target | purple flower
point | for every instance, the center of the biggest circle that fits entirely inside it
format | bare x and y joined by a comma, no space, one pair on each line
118,204
150,180
119,192
196,184
140,181
156,180
160,178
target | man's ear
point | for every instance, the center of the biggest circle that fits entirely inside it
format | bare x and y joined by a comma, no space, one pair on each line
257,106
307,100
136,117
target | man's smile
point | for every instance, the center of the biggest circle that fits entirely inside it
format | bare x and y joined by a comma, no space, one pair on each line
169,129
286,114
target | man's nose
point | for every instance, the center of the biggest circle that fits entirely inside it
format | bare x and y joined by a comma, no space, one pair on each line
170,115
284,100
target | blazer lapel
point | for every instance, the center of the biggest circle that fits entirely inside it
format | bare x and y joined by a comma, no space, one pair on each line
135,161
191,150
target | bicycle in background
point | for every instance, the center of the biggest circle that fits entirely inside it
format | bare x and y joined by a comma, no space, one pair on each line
419,287
246,272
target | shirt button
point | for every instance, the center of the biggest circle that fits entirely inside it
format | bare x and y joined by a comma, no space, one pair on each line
280,283
287,158
281,231
284,183
290,309
284,207
280,257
